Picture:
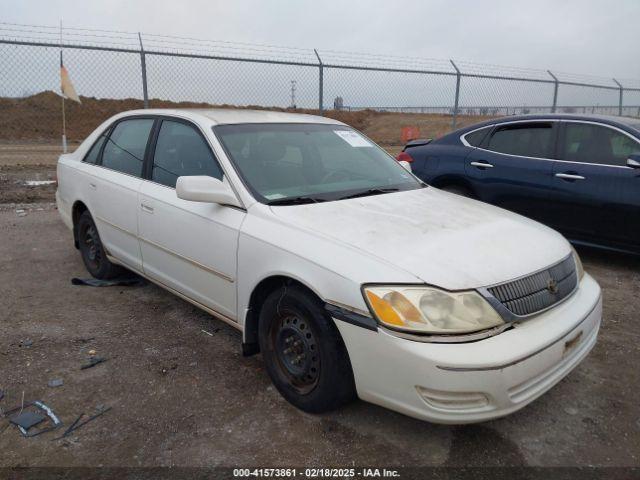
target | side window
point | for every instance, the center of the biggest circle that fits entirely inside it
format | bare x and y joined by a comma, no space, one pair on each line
94,151
588,143
181,151
475,138
523,139
124,150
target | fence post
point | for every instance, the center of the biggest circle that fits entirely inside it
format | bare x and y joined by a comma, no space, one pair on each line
620,98
143,65
555,92
455,106
320,82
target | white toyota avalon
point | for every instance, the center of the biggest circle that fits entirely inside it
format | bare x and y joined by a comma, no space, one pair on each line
349,275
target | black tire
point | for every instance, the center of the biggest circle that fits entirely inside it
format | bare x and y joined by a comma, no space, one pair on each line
458,190
322,380
92,251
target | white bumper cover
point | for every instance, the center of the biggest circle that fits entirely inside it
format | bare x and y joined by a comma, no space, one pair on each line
476,381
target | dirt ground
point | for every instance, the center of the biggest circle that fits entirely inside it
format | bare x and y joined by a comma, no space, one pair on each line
182,394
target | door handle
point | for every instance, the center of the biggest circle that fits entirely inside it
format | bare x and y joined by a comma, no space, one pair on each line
146,208
92,185
481,165
569,176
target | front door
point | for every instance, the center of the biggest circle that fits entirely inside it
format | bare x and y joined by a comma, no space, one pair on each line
512,168
598,195
188,246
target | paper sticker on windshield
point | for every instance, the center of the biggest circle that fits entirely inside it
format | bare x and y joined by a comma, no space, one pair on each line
352,138
274,196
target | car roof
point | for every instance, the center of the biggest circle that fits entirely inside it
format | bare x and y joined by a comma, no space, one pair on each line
225,116
628,122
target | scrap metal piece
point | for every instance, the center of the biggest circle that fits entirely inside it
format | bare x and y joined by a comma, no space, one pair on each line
75,426
71,427
93,361
56,423
26,420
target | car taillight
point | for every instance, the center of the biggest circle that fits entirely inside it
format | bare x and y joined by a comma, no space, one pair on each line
404,157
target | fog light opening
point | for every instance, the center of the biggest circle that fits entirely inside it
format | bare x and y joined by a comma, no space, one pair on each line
454,400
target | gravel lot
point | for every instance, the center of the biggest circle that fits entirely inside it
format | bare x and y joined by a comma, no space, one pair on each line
183,397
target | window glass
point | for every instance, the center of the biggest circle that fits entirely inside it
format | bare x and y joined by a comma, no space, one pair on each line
125,146
92,156
524,139
282,161
181,151
475,138
585,142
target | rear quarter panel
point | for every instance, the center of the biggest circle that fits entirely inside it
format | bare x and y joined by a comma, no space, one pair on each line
68,176
437,163
70,172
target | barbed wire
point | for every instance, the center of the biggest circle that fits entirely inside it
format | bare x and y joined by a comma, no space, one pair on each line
86,37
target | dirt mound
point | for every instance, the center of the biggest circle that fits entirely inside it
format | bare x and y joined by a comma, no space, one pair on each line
38,118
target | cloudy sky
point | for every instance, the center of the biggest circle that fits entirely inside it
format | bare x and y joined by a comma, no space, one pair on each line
596,37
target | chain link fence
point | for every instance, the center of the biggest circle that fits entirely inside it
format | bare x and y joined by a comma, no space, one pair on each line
116,71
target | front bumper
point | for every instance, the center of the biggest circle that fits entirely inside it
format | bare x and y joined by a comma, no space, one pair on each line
476,381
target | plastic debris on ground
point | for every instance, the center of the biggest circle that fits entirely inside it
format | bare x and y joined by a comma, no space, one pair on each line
93,361
121,282
32,414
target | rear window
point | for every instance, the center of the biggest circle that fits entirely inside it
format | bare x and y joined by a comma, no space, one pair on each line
92,156
476,137
523,139
126,145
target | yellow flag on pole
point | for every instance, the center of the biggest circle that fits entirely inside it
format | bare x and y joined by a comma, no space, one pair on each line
65,84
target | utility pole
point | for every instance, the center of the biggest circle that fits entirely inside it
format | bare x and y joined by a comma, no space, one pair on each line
293,94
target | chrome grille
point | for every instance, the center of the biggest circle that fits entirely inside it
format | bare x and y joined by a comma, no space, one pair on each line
538,291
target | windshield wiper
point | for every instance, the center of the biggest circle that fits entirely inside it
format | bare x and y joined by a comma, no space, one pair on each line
369,192
296,200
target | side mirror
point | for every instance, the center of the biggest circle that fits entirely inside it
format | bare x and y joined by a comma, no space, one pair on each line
633,161
201,188
405,164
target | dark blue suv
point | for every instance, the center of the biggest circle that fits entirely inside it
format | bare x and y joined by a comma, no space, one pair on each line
578,174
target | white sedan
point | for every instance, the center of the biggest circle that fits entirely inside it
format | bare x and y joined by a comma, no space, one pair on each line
348,274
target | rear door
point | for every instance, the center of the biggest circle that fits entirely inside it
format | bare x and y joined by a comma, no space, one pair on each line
513,166
113,189
188,246
598,195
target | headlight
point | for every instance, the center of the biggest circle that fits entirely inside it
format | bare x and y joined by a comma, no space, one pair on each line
430,310
579,267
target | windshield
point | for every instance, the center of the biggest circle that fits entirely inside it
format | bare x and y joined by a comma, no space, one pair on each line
302,163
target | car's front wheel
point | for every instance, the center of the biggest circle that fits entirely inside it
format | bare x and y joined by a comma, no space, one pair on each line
304,352
92,251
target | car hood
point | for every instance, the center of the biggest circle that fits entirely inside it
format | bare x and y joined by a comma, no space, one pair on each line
440,238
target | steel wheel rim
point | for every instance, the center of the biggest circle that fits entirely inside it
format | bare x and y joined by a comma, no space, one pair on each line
296,351
91,241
